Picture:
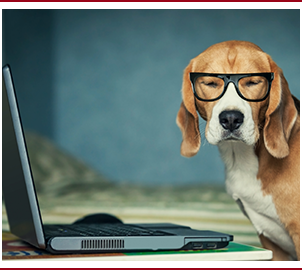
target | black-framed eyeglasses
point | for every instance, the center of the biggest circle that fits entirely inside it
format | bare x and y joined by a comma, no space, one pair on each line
252,87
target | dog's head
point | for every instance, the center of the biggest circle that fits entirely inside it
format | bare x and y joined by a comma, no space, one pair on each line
230,116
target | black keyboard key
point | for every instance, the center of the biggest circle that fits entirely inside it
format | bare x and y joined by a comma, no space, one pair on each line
100,230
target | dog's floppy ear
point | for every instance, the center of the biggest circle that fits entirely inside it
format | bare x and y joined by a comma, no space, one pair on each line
280,115
187,119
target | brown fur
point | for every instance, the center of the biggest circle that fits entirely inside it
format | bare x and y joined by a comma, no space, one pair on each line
277,122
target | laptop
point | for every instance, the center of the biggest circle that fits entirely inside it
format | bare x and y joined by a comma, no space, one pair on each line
88,235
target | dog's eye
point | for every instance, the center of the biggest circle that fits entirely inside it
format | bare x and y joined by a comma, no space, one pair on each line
210,84
252,83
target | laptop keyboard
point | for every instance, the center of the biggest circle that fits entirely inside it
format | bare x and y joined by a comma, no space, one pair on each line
100,230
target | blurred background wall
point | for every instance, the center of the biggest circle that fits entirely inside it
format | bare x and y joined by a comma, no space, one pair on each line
105,84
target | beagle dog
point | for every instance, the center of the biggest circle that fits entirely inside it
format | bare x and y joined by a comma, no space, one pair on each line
254,120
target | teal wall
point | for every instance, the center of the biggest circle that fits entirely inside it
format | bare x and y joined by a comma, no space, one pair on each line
105,84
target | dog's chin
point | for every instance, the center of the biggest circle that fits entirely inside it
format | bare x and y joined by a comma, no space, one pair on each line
228,137
234,135
232,139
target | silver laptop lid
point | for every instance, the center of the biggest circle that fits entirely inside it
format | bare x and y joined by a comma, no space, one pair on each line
18,189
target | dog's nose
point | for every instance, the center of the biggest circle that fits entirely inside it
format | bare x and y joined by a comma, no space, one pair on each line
231,120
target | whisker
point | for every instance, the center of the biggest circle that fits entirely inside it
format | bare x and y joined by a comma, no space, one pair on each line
260,126
202,133
204,142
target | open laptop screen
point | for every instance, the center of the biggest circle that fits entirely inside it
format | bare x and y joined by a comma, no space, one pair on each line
18,188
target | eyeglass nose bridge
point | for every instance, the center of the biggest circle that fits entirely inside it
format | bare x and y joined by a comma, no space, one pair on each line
227,80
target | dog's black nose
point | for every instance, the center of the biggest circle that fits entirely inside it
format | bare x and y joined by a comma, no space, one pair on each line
231,120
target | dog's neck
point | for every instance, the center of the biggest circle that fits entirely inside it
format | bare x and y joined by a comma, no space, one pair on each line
240,162
237,155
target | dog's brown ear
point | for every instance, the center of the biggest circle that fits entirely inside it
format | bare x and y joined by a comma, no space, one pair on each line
280,115
187,119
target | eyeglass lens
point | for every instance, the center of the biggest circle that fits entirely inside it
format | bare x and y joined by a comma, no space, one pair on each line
251,87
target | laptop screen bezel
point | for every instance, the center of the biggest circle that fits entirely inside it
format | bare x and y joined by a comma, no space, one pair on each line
23,212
